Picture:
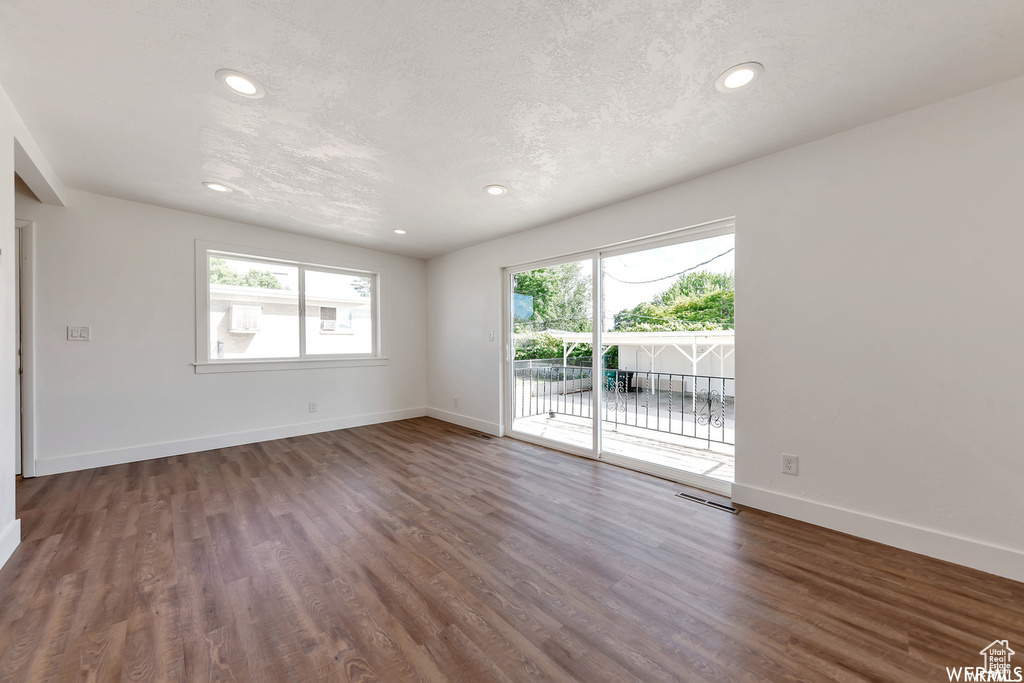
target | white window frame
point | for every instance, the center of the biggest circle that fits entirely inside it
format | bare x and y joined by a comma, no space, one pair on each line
206,364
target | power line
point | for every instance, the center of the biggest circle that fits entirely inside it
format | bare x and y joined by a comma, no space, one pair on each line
647,282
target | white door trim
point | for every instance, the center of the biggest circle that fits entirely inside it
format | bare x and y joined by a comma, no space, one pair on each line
508,405
27,309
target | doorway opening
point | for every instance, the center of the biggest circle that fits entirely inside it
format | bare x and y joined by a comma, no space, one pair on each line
552,381
670,336
628,355
24,396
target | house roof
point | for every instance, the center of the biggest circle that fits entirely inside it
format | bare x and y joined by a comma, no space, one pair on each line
702,338
242,294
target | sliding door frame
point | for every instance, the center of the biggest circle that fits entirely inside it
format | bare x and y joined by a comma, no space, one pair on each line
596,452
596,394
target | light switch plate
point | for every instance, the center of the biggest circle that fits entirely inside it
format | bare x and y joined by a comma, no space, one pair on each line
79,333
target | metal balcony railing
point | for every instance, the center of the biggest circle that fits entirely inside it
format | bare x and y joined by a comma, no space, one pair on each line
696,406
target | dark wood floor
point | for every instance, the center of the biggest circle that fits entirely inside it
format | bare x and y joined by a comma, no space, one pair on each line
418,551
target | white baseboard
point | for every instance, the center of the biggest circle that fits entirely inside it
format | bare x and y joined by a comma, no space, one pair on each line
9,540
722,488
989,558
84,461
492,428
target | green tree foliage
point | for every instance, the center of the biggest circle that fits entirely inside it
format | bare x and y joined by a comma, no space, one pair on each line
696,284
222,274
561,298
544,345
714,307
696,301
362,286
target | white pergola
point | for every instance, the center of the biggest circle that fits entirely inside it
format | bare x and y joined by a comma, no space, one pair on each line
720,344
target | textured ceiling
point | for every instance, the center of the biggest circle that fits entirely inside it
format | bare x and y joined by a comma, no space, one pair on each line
386,114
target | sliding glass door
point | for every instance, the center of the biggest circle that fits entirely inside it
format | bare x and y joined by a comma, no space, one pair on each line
628,355
668,334
552,322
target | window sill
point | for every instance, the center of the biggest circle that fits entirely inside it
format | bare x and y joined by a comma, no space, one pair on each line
302,364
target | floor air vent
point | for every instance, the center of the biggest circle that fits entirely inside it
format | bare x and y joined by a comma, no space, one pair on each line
709,503
480,436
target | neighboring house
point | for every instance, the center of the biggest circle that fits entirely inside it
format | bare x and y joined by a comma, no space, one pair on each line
702,353
252,322
706,354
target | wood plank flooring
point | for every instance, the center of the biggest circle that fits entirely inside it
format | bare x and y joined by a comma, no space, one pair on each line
418,551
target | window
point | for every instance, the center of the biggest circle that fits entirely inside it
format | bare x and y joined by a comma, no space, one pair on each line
245,318
330,323
255,309
342,303
328,319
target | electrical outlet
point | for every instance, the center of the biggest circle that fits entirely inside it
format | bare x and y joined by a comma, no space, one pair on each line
790,464
490,336
455,402
313,406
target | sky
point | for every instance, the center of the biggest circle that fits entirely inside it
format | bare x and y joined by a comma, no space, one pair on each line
649,265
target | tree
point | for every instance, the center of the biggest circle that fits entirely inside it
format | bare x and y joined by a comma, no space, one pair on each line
361,285
223,274
713,307
696,301
696,284
543,345
561,297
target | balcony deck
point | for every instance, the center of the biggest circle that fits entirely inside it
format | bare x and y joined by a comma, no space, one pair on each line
670,450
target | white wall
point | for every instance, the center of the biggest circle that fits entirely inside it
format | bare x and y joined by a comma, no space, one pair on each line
10,534
127,270
889,251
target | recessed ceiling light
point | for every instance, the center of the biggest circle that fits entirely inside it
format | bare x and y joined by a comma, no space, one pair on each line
495,189
399,232
217,187
240,84
739,76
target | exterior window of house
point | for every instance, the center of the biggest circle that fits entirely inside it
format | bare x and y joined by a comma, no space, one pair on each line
265,310
245,319
335,321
